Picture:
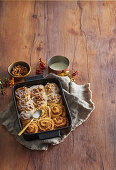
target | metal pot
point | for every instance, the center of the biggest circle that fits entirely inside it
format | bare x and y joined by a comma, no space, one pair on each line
58,59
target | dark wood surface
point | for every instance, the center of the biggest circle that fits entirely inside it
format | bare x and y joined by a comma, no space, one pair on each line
85,33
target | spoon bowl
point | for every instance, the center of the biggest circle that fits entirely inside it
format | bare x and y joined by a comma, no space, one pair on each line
37,114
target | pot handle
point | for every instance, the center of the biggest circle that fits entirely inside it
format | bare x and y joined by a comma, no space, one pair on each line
49,135
31,78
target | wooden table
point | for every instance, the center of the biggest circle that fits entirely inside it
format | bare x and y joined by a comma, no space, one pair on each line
85,32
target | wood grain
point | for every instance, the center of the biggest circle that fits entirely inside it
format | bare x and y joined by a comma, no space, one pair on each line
85,32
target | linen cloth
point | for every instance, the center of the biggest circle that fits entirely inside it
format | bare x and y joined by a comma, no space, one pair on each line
80,105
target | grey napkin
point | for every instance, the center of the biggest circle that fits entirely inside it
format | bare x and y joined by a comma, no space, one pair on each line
80,104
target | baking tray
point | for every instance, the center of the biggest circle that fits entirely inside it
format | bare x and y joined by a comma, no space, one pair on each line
36,80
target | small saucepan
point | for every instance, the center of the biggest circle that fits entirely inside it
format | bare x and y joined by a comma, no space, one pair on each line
58,64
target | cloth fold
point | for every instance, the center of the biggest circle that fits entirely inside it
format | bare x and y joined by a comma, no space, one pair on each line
80,104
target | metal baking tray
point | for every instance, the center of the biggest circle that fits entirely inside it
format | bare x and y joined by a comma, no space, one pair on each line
36,80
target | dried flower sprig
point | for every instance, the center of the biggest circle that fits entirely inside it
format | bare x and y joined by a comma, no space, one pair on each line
74,73
11,83
2,91
71,76
41,66
6,83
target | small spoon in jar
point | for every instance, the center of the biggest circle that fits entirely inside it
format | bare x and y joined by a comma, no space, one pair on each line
36,115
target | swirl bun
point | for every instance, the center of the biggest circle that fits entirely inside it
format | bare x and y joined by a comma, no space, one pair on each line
63,111
22,93
32,128
56,110
60,122
54,98
45,124
24,122
46,111
51,88
36,90
25,105
26,115
39,100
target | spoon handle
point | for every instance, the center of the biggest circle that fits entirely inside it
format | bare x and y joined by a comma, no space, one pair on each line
20,133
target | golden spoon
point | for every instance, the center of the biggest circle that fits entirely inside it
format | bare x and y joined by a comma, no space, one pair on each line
36,115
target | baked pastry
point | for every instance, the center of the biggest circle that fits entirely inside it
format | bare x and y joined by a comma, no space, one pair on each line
39,100
36,90
32,128
60,122
22,93
26,115
56,110
46,111
26,105
51,88
54,98
24,122
63,111
45,124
